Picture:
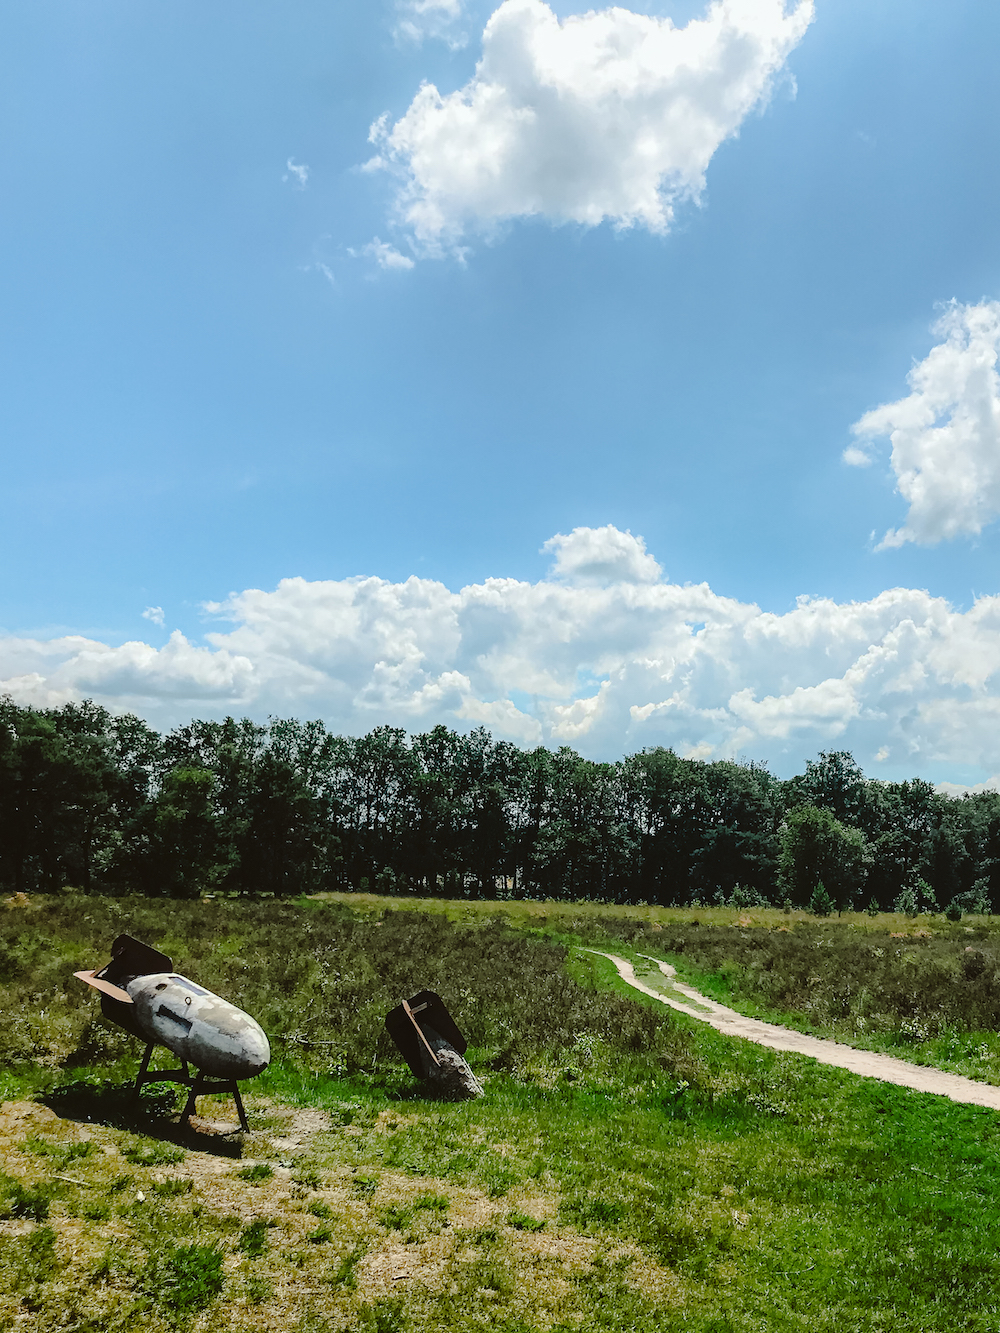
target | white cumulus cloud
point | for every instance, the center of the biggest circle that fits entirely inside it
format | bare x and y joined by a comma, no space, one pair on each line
600,556
945,434
421,19
154,613
603,654
855,457
603,115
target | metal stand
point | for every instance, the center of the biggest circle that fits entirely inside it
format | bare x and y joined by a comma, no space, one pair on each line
198,1082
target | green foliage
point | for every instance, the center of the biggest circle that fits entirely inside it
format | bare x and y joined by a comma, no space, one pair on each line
173,1187
62,1154
820,1200
743,898
330,978
821,904
384,1317
258,1289
908,903
146,1153
19,1201
106,804
189,852
977,901
28,1260
817,848
591,1212
433,1203
345,1272
397,1217
928,901
868,987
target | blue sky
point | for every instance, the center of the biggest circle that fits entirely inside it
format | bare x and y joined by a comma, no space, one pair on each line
212,386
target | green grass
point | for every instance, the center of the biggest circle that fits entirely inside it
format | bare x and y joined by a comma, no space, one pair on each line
929,994
185,1279
258,1172
628,1168
253,1238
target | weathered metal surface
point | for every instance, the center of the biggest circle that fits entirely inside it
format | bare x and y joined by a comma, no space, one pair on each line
414,1017
431,1044
141,992
211,1033
428,1049
131,958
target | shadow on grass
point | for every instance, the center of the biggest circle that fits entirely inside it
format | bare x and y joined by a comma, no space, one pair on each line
153,1114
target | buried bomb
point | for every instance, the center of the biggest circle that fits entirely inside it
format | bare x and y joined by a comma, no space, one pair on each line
141,993
429,1041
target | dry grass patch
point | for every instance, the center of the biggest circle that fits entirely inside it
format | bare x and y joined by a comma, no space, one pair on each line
180,1237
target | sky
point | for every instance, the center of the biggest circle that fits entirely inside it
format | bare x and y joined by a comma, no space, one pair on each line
609,378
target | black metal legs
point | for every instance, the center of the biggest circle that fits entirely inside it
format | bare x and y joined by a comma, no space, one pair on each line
142,1069
244,1124
198,1083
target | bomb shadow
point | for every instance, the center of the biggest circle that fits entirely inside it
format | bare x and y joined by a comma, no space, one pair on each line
153,1114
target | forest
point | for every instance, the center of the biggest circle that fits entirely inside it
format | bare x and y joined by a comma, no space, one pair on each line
103,803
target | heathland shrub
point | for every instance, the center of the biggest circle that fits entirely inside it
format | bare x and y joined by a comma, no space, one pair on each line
838,975
320,980
976,902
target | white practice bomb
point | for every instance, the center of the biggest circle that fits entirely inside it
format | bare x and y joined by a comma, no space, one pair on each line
200,1027
141,993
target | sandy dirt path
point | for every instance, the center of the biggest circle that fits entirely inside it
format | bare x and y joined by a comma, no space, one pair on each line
867,1063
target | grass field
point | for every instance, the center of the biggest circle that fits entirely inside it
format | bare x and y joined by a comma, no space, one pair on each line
923,988
628,1169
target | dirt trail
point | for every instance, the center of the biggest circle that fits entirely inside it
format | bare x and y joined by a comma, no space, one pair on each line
868,1063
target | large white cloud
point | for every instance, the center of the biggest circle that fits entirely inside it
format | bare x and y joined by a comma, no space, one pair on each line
946,434
605,115
602,655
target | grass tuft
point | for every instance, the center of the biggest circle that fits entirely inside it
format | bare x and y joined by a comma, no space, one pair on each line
20,1201
152,1154
253,1238
187,1279
257,1173
173,1187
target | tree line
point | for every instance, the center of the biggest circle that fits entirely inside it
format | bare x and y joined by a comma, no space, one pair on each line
103,803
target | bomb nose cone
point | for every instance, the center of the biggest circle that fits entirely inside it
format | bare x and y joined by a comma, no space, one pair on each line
256,1050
